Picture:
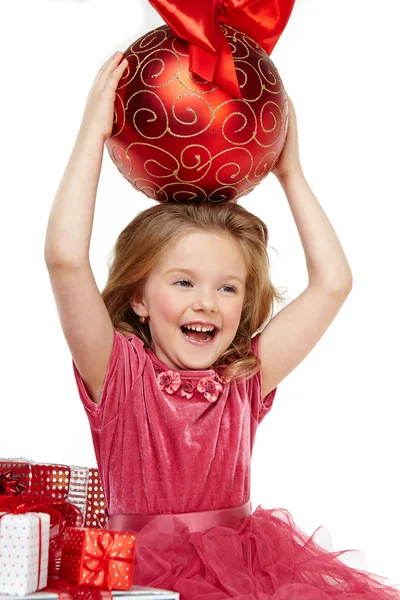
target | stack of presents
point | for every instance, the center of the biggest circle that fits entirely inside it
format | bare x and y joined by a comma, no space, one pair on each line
53,544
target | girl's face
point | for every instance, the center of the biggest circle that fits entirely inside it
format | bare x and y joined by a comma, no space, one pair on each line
200,282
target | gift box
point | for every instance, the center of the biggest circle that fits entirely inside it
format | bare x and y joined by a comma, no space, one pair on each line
61,512
137,592
24,551
98,557
79,485
52,480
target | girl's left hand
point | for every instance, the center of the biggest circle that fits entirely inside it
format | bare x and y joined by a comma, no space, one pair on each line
289,159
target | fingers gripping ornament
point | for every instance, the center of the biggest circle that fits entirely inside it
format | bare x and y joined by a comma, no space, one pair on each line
201,111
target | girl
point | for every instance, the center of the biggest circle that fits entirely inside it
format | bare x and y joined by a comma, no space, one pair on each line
175,383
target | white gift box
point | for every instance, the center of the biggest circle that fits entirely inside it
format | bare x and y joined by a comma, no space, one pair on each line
22,569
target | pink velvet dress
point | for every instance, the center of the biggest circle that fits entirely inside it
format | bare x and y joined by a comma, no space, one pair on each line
170,442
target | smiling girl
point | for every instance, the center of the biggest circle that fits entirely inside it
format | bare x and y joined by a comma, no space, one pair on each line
175,377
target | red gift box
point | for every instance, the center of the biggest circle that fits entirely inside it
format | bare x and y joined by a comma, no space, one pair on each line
98,557
79,485
52,480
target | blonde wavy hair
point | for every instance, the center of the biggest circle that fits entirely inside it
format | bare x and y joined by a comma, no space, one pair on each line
152,232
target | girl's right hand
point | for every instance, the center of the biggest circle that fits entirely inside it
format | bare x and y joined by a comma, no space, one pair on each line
289,159
98,118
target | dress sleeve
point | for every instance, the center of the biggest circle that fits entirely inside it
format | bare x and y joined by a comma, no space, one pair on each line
125,366
260,405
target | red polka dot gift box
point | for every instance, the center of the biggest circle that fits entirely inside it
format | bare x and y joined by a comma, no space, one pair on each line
24,552
79,485
98,557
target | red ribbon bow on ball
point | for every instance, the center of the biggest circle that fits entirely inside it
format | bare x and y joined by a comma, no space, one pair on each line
198,23
9,484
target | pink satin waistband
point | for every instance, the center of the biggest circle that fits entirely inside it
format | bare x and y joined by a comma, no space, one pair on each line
196,521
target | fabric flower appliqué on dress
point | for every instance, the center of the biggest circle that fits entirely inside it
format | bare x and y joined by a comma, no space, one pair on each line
169,381
187,389
210,388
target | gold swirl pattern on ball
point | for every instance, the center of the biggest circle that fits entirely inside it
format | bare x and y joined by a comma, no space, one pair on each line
177,136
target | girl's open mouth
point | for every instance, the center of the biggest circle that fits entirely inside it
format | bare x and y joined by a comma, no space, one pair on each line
198,337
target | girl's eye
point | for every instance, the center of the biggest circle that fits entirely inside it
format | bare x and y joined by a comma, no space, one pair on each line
183,281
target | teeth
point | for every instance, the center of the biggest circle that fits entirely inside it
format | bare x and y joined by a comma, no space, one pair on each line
198,328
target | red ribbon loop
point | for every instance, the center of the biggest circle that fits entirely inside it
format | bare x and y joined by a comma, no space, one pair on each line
96,564
199,22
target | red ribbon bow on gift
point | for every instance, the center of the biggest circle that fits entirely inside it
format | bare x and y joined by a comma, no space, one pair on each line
34,502
97,563
9,484
198,23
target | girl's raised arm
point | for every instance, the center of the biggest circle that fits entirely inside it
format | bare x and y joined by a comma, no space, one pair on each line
292,333
83,315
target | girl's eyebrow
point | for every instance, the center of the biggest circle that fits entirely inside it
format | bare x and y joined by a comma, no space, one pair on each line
192,273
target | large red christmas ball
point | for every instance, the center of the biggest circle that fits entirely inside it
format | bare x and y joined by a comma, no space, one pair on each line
179,137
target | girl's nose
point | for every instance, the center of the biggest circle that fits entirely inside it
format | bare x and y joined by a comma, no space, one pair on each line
205,301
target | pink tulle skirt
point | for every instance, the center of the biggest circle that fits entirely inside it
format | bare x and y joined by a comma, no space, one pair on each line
265,557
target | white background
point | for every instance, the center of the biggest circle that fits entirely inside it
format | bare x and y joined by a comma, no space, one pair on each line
329,450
